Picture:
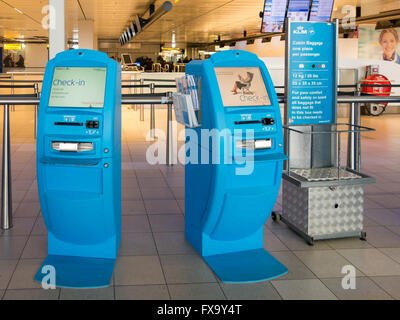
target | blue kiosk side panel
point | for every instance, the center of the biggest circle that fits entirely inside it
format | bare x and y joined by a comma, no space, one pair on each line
79,166
226,205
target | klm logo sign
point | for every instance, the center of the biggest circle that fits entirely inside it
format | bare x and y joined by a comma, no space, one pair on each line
69,83
300,30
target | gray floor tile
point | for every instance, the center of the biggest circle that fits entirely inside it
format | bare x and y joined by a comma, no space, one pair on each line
27,210
310,289
162,207
365,289
368,222
39,228
382,237
324,263
252,291
149,173
167,223
371,262
396,229
150,183
138,270
198,291
24,274
87,294
384,217
176,180
21,227
179,192
186,269
133,207
131,194
7,268
393,253
149,292
296,268
157,194
2,294
348,243
32,294
35,248
386,200
371,204
137,223
32,196
181,204
272,242
137,244
295,242
390,284
11,247
172,243
129,183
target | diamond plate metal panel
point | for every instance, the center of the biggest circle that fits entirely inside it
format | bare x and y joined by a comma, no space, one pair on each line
335,210
295,205
324,211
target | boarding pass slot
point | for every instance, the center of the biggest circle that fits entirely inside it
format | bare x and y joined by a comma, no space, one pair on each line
72,146
254,144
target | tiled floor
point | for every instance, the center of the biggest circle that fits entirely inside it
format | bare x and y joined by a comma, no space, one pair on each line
156,262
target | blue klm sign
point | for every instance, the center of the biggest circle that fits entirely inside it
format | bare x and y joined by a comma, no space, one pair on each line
312,73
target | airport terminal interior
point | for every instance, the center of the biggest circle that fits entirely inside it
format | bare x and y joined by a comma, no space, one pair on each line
155,42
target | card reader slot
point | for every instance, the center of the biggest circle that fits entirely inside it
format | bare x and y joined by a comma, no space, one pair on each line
263,121
73,124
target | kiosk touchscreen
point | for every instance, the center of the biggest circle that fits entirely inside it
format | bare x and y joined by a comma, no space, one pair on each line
228,201
79,167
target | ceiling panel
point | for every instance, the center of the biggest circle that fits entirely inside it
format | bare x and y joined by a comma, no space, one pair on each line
191,20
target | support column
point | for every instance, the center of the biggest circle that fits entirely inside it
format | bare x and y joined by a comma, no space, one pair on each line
57,38
87,39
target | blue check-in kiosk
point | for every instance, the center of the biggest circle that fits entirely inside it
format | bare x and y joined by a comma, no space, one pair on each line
228,199
79,167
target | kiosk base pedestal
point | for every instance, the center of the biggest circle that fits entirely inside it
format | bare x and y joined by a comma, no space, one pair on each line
246,266
78,272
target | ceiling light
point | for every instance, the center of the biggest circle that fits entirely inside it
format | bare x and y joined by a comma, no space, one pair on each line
19,11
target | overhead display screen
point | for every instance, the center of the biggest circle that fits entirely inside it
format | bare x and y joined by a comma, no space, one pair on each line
78,87
242,87
274,15
298,10
321,10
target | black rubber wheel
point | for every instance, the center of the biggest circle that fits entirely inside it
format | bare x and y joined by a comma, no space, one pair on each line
310,241
374,110
363,236
275,216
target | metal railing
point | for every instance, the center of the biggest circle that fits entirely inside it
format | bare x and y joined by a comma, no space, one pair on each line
150,99
6,101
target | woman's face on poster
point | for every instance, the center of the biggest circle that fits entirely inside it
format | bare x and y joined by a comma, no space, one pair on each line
389,44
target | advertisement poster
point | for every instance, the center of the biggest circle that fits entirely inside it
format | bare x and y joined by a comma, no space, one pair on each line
379,44
242,86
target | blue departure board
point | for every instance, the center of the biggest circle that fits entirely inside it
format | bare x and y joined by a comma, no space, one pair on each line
274,15
321,10
298,10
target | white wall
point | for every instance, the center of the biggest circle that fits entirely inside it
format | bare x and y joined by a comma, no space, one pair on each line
348,48
36,55
275,48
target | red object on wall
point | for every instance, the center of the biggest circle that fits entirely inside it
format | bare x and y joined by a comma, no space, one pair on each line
375,79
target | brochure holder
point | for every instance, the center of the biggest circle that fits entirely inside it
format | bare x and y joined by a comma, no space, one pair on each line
186,102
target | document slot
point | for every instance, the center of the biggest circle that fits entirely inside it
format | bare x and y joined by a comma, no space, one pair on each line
254,144
72,146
